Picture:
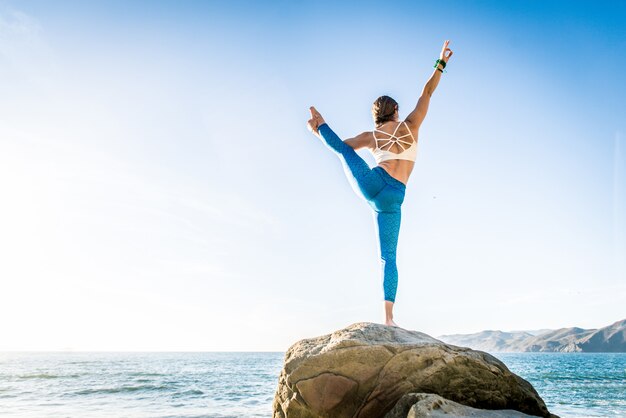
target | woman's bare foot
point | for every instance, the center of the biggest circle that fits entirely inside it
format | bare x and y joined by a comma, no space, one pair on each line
389,314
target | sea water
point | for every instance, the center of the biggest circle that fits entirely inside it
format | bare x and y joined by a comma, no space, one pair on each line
242,384
574,384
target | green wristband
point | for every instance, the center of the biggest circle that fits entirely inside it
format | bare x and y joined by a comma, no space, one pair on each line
440,61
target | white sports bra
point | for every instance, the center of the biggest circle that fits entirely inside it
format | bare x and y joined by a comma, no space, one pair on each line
409,149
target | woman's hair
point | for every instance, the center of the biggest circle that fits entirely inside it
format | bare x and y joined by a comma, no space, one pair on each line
383,109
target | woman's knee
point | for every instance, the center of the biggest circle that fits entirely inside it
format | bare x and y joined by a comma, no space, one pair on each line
388,256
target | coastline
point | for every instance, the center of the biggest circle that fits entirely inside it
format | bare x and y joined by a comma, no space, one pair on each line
215,384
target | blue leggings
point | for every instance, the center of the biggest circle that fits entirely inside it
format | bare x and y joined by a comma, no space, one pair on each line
384,194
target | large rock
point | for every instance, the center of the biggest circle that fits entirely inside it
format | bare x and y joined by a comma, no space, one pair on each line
361,371
418,405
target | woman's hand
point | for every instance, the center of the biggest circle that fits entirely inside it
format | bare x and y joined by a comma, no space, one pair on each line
445,49
315,121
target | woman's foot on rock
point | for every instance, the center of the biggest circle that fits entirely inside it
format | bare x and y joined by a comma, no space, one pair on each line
391,323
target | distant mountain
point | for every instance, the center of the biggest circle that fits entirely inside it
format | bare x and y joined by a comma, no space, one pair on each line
493,341
563,339
536,331
610,339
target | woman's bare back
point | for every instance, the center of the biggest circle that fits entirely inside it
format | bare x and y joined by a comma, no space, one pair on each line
398,169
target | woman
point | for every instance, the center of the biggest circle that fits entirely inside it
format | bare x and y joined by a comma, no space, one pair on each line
394,146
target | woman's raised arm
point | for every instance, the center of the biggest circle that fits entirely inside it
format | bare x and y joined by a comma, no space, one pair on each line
416,117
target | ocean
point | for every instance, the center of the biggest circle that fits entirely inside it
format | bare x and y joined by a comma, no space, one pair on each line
242,384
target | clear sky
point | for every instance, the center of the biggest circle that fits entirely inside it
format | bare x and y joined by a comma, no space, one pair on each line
160,191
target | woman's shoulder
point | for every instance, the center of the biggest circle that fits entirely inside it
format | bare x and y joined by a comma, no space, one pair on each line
411,127
399,127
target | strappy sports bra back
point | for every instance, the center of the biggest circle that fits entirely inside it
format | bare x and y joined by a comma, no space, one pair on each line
409,149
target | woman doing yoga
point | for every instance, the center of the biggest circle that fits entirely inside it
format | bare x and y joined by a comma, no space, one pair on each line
394,147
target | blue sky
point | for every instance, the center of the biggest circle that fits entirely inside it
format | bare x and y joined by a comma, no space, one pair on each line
161,191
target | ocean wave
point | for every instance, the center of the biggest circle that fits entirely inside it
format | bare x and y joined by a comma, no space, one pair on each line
40,376
190,392
124,389
145,374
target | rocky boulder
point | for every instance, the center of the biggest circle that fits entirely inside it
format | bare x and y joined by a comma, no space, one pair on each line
362,371
418,405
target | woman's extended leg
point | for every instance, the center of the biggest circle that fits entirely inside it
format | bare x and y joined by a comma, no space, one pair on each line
363,180
388,225
387,206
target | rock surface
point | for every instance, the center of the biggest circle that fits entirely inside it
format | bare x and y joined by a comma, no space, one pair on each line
418,405
362,371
